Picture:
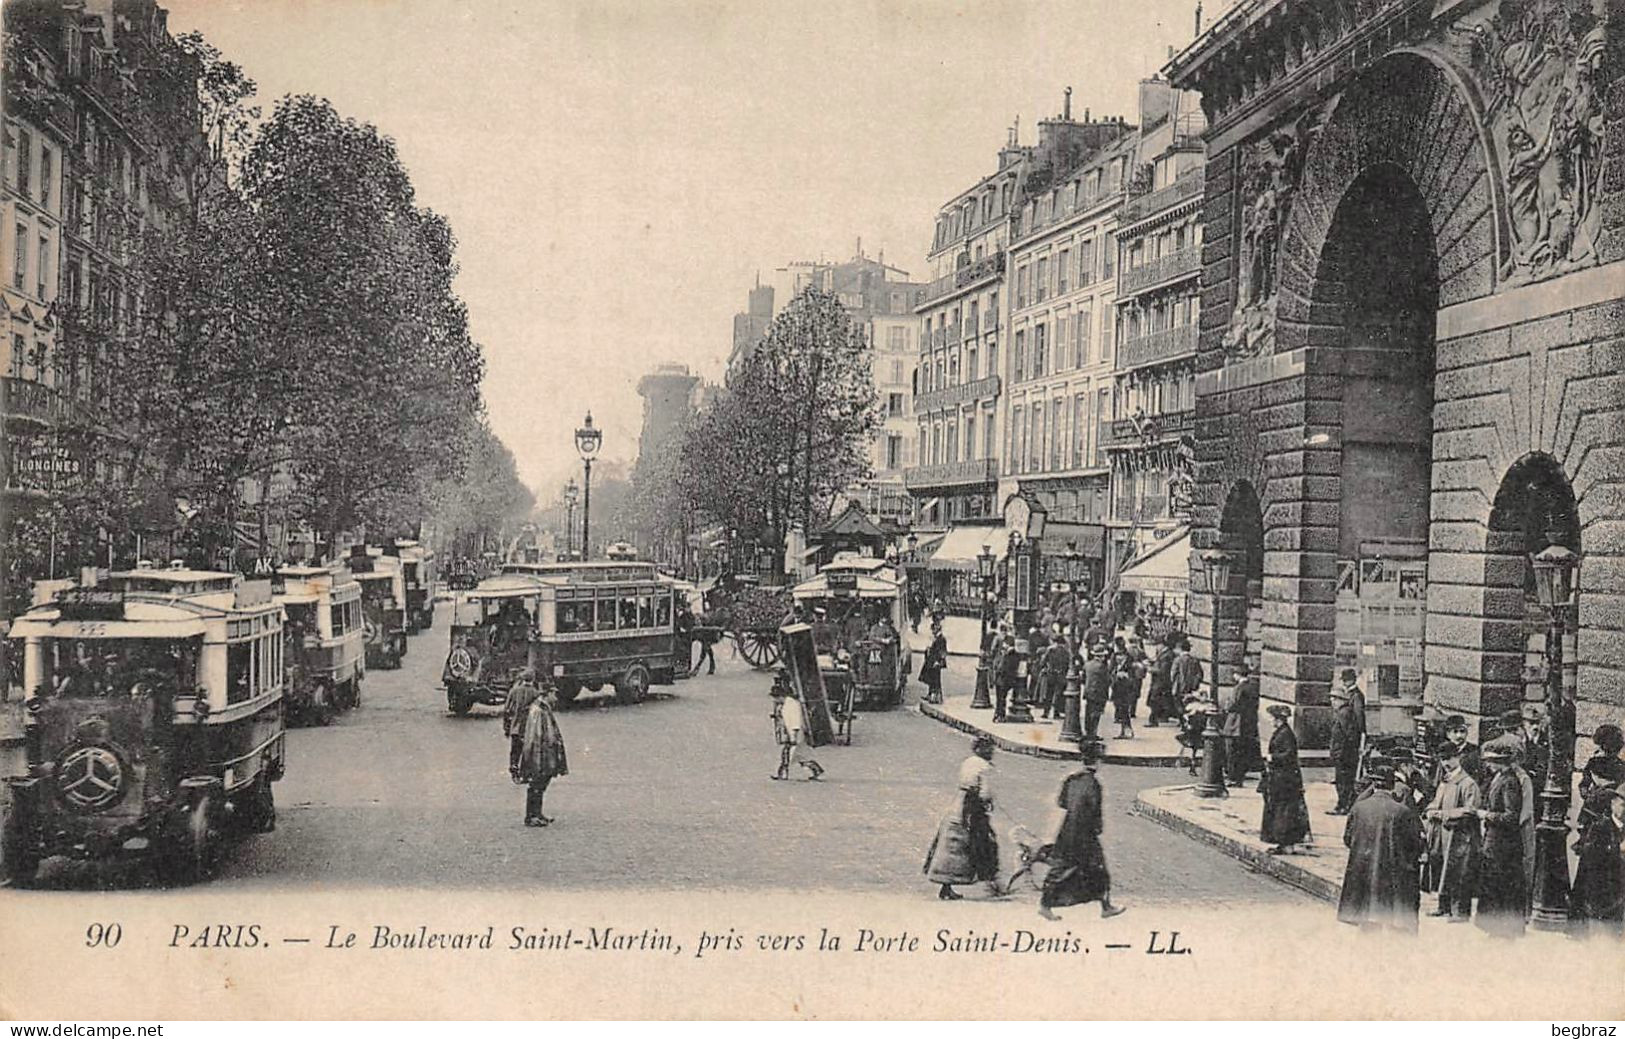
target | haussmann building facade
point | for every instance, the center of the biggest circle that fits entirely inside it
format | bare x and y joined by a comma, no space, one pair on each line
1410,349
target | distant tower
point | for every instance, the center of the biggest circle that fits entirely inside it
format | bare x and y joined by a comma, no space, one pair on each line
668,401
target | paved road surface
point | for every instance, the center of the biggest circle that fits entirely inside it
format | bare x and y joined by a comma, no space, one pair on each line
672,793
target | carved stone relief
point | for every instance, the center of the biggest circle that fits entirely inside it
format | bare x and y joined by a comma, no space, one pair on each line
1271,170
1539,63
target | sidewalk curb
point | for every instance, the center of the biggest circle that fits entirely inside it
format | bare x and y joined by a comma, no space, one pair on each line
1008,745
1259,862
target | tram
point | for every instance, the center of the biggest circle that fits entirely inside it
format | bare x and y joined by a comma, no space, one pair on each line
154,720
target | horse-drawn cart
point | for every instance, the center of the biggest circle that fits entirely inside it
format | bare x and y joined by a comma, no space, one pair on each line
751,615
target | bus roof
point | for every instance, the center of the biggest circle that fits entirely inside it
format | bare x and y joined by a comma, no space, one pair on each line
597,569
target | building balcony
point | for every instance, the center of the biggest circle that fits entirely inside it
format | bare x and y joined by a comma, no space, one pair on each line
1153,202
1151,429
951,474
1184,263
27,399
953,396
1167,345
965,277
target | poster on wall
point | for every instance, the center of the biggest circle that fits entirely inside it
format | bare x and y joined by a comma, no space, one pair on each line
1381,617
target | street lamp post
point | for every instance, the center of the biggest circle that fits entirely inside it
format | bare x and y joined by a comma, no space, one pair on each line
1217,564
1024,574
1554,582
984,659
588,441
1072,695
571,493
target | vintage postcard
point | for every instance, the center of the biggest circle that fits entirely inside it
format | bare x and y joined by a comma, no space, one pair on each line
903,509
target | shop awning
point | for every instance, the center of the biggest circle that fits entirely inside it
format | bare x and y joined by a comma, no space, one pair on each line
1087,539
961,545
1164,570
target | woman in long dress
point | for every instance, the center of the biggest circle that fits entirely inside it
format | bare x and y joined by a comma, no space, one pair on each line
1077,862
964,850
1598,901
1286,813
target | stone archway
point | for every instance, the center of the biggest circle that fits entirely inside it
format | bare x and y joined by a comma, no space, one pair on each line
1238,608
1388,212
1534,506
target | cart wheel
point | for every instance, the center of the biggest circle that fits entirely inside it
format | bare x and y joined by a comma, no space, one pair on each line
634,685
759,648
568,690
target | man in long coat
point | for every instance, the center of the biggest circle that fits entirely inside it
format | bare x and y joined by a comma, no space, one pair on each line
1160,701
1503,896
536,747
1453,837
1097,690
1348,726
1077,872
1241,726
1185,674
1385,842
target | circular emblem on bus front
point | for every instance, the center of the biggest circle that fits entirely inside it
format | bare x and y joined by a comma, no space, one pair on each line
90,778
369,630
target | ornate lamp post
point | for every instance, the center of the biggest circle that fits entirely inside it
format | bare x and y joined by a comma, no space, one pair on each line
984,659
571,493
588,441
1216,563
1554,583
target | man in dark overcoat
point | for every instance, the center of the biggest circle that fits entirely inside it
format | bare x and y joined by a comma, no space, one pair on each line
1097,690
1348,726
1453,837
1384,837
1241,727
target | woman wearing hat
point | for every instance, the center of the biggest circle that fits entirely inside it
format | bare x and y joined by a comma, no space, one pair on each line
964,850
1597,904
1605,767
1286,813
1077,862
1503,894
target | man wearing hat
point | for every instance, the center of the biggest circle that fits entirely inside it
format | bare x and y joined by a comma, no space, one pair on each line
1455,736
1503,893
1097,690
823,632
1385,842
1453,837
1348,732
1241,726
1009,670
1532,742
936,658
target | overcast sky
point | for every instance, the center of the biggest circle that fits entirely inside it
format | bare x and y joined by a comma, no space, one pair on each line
617,173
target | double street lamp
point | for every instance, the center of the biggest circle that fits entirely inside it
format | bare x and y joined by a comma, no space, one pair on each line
588,441
1554,584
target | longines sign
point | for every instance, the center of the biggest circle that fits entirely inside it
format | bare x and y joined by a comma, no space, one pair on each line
44,466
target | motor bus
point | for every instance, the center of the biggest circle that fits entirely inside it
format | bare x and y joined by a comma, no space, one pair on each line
383,607
492,628
598,627
153,723
418,575
325,641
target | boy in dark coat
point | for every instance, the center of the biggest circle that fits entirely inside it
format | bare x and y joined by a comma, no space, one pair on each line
1385,842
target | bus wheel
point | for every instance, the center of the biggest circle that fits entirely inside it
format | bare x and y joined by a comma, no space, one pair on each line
258,812
568,690
190,848
634,685
19,860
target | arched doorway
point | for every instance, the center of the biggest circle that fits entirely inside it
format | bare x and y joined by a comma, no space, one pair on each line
1534,507
1238,609
1377,285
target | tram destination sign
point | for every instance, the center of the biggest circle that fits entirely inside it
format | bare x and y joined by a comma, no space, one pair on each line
90,604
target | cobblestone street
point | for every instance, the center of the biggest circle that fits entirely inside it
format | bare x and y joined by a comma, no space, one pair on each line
673,793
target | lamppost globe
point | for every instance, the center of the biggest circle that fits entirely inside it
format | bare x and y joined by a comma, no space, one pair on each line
588,440
1554,573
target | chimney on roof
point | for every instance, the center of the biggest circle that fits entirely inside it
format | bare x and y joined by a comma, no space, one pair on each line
1198,17
1066,110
